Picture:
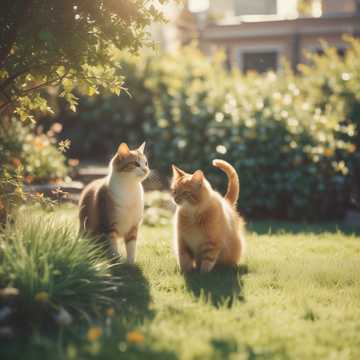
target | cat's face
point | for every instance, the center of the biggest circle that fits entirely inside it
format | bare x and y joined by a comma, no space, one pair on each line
187,189
131,162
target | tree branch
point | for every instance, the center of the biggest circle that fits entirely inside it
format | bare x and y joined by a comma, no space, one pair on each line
13,77
53,82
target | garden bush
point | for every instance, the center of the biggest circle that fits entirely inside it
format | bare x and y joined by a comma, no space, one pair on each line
27,155
101,122
158,208
332,84
29,149
294,151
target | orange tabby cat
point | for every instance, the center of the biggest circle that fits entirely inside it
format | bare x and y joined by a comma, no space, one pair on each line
113,206
208,228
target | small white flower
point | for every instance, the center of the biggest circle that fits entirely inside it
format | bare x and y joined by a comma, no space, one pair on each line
181,144
345,76
219,117
63,318
221,149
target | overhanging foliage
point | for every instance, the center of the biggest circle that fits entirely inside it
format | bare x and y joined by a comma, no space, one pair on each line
66,43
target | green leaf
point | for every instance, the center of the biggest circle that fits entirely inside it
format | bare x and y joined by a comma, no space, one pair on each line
60,71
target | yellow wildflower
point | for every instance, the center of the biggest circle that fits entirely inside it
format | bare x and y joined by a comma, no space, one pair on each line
135,337
42,296
19,192
38,143
352,148
328,152
94,333
110,312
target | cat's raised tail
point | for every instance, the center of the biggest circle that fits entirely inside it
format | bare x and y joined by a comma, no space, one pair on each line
233,190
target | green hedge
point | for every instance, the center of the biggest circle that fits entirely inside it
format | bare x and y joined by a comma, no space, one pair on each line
296,149
333,86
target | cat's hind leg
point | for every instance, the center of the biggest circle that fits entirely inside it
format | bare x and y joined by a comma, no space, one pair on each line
130,244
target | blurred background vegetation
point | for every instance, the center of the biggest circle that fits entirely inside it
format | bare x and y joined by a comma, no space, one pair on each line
294,138
293,135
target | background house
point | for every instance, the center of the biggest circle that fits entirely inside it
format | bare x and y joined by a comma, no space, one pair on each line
256,34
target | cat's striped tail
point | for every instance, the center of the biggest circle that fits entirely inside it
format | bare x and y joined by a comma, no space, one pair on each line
233,190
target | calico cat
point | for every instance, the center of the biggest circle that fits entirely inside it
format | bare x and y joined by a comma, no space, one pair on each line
112,207
208,228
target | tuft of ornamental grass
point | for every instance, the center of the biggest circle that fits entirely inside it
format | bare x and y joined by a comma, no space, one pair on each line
54,267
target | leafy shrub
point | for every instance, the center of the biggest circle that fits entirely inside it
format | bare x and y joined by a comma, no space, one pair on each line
101,122
26,156
289,154
53,269
159,208
332,84
34,153
296,158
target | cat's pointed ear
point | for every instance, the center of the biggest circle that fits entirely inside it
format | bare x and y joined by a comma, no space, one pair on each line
178,173
141,148
197,177
123,150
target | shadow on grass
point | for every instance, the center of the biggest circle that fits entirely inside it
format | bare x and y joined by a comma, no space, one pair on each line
133,295
226,349
133,307
287,227
222,286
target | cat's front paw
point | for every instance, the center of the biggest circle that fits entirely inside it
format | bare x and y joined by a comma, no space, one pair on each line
206,266
131,251
186,266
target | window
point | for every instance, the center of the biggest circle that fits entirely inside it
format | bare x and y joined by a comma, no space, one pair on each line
255,7
260,61
341,51
339,7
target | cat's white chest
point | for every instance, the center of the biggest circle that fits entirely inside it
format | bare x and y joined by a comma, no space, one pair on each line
195,239
128,198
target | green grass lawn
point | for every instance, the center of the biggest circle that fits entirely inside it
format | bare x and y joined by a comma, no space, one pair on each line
296,296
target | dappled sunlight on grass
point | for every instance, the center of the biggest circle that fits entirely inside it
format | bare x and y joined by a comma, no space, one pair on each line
287,227
296,295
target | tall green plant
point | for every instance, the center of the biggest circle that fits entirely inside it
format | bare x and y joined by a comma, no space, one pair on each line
49,263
